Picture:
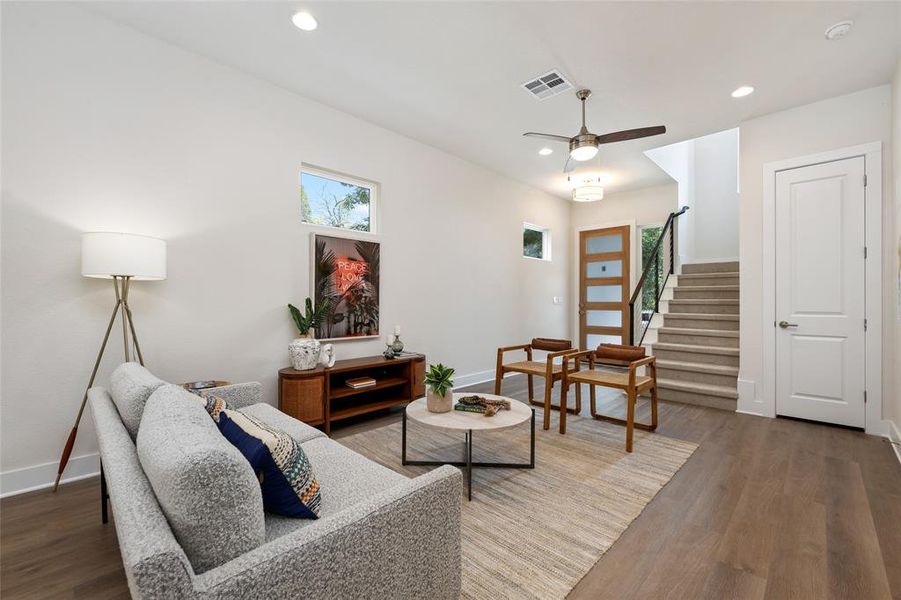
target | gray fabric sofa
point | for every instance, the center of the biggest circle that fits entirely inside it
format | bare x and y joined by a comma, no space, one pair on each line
379,535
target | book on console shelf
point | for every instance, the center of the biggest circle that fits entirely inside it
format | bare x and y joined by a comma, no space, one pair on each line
360,382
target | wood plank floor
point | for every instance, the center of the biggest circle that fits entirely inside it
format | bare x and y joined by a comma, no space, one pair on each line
765,508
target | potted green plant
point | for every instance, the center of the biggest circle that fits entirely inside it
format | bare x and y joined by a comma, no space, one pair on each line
440,396
306,352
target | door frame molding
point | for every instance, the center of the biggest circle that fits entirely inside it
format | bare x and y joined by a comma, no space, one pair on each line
633,226
873,202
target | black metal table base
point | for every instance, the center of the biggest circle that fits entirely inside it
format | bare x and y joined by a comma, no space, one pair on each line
468,464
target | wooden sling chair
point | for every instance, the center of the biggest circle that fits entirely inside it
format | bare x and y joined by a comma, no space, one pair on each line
531,368
629,381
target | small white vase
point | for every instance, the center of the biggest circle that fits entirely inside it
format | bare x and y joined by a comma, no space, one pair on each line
304,353
439,404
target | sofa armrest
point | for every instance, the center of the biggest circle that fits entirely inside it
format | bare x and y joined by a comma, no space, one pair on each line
238,395
402,543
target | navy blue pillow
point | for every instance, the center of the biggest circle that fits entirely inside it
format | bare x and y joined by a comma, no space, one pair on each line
286,476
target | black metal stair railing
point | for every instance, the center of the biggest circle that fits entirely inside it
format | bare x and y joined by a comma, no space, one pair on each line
658,266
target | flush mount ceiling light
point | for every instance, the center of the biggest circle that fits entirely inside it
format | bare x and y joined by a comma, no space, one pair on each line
545,151
745,90
588,193
839,30
304,20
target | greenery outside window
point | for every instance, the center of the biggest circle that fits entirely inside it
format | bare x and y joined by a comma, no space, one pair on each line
330,199
536,242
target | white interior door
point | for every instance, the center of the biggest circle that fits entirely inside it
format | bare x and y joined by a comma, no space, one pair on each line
820,292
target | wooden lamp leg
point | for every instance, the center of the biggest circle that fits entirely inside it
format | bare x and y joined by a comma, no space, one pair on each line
127,324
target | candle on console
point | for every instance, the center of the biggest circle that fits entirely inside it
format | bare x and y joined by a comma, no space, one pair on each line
390,338
397,330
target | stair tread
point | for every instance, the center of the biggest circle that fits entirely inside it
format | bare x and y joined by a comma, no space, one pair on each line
701,388
704,301
695,331
709,275
709,288
697,349
702,316
680,365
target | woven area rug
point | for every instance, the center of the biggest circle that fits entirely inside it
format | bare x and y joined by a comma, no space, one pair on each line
536,533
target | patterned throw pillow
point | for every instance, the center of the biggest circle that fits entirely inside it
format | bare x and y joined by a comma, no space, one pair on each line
286,476
213,405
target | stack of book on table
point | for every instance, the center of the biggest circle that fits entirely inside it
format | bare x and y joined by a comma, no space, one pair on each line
360,382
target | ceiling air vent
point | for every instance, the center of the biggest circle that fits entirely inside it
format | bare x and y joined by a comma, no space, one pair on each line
547,85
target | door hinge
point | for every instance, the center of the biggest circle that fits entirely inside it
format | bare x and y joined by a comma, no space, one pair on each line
864,181
865,252
864,396
864,324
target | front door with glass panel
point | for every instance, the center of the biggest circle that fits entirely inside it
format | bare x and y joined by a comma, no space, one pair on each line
603,286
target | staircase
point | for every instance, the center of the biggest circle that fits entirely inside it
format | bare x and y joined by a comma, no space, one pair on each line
697,344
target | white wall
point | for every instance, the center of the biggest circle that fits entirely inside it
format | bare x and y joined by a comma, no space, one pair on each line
835,123
107,129
892,406
706,170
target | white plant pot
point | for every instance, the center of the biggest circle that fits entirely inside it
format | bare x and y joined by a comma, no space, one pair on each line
439,404
304,353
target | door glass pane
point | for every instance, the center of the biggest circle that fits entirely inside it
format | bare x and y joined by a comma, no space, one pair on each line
604,268
604,243
593,340
604,318
604,293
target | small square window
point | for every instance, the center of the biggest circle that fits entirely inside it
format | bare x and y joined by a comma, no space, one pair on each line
536,242
330,199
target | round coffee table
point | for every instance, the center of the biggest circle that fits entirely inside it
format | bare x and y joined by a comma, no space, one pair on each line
456,420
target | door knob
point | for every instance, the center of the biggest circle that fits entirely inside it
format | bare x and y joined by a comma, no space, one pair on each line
786,324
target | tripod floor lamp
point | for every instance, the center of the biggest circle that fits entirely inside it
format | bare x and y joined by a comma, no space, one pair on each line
122,257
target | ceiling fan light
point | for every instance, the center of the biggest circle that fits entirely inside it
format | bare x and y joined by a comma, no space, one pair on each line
583,153
588,193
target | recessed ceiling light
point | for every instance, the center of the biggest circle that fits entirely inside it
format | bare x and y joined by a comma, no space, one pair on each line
304,20
545,151
839,30
745,90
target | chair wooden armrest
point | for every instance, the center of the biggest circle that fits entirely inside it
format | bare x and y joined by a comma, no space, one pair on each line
560,353
577,357
502,350
633,367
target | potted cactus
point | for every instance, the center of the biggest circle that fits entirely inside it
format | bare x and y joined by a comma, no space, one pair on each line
440,396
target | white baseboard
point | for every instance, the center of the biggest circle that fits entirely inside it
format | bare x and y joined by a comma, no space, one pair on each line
37,477
894,435
29,479
463,381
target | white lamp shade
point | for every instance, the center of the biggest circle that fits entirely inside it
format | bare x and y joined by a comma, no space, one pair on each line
137,256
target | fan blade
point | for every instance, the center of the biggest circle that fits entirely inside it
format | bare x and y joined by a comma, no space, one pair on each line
630,134
570,164
548,136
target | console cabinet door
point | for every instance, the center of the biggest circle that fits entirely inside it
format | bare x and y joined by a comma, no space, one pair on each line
418,367
303,399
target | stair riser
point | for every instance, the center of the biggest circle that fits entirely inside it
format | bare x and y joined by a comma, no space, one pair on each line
687,293
697,340
696,357
725,279
720,267
710,309
697,399
698,377
689,323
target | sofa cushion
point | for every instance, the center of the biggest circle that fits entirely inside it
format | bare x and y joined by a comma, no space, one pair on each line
130,386
206,488
270,415
347,478
286,476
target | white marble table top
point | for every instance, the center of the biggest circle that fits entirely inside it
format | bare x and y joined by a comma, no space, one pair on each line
457,419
